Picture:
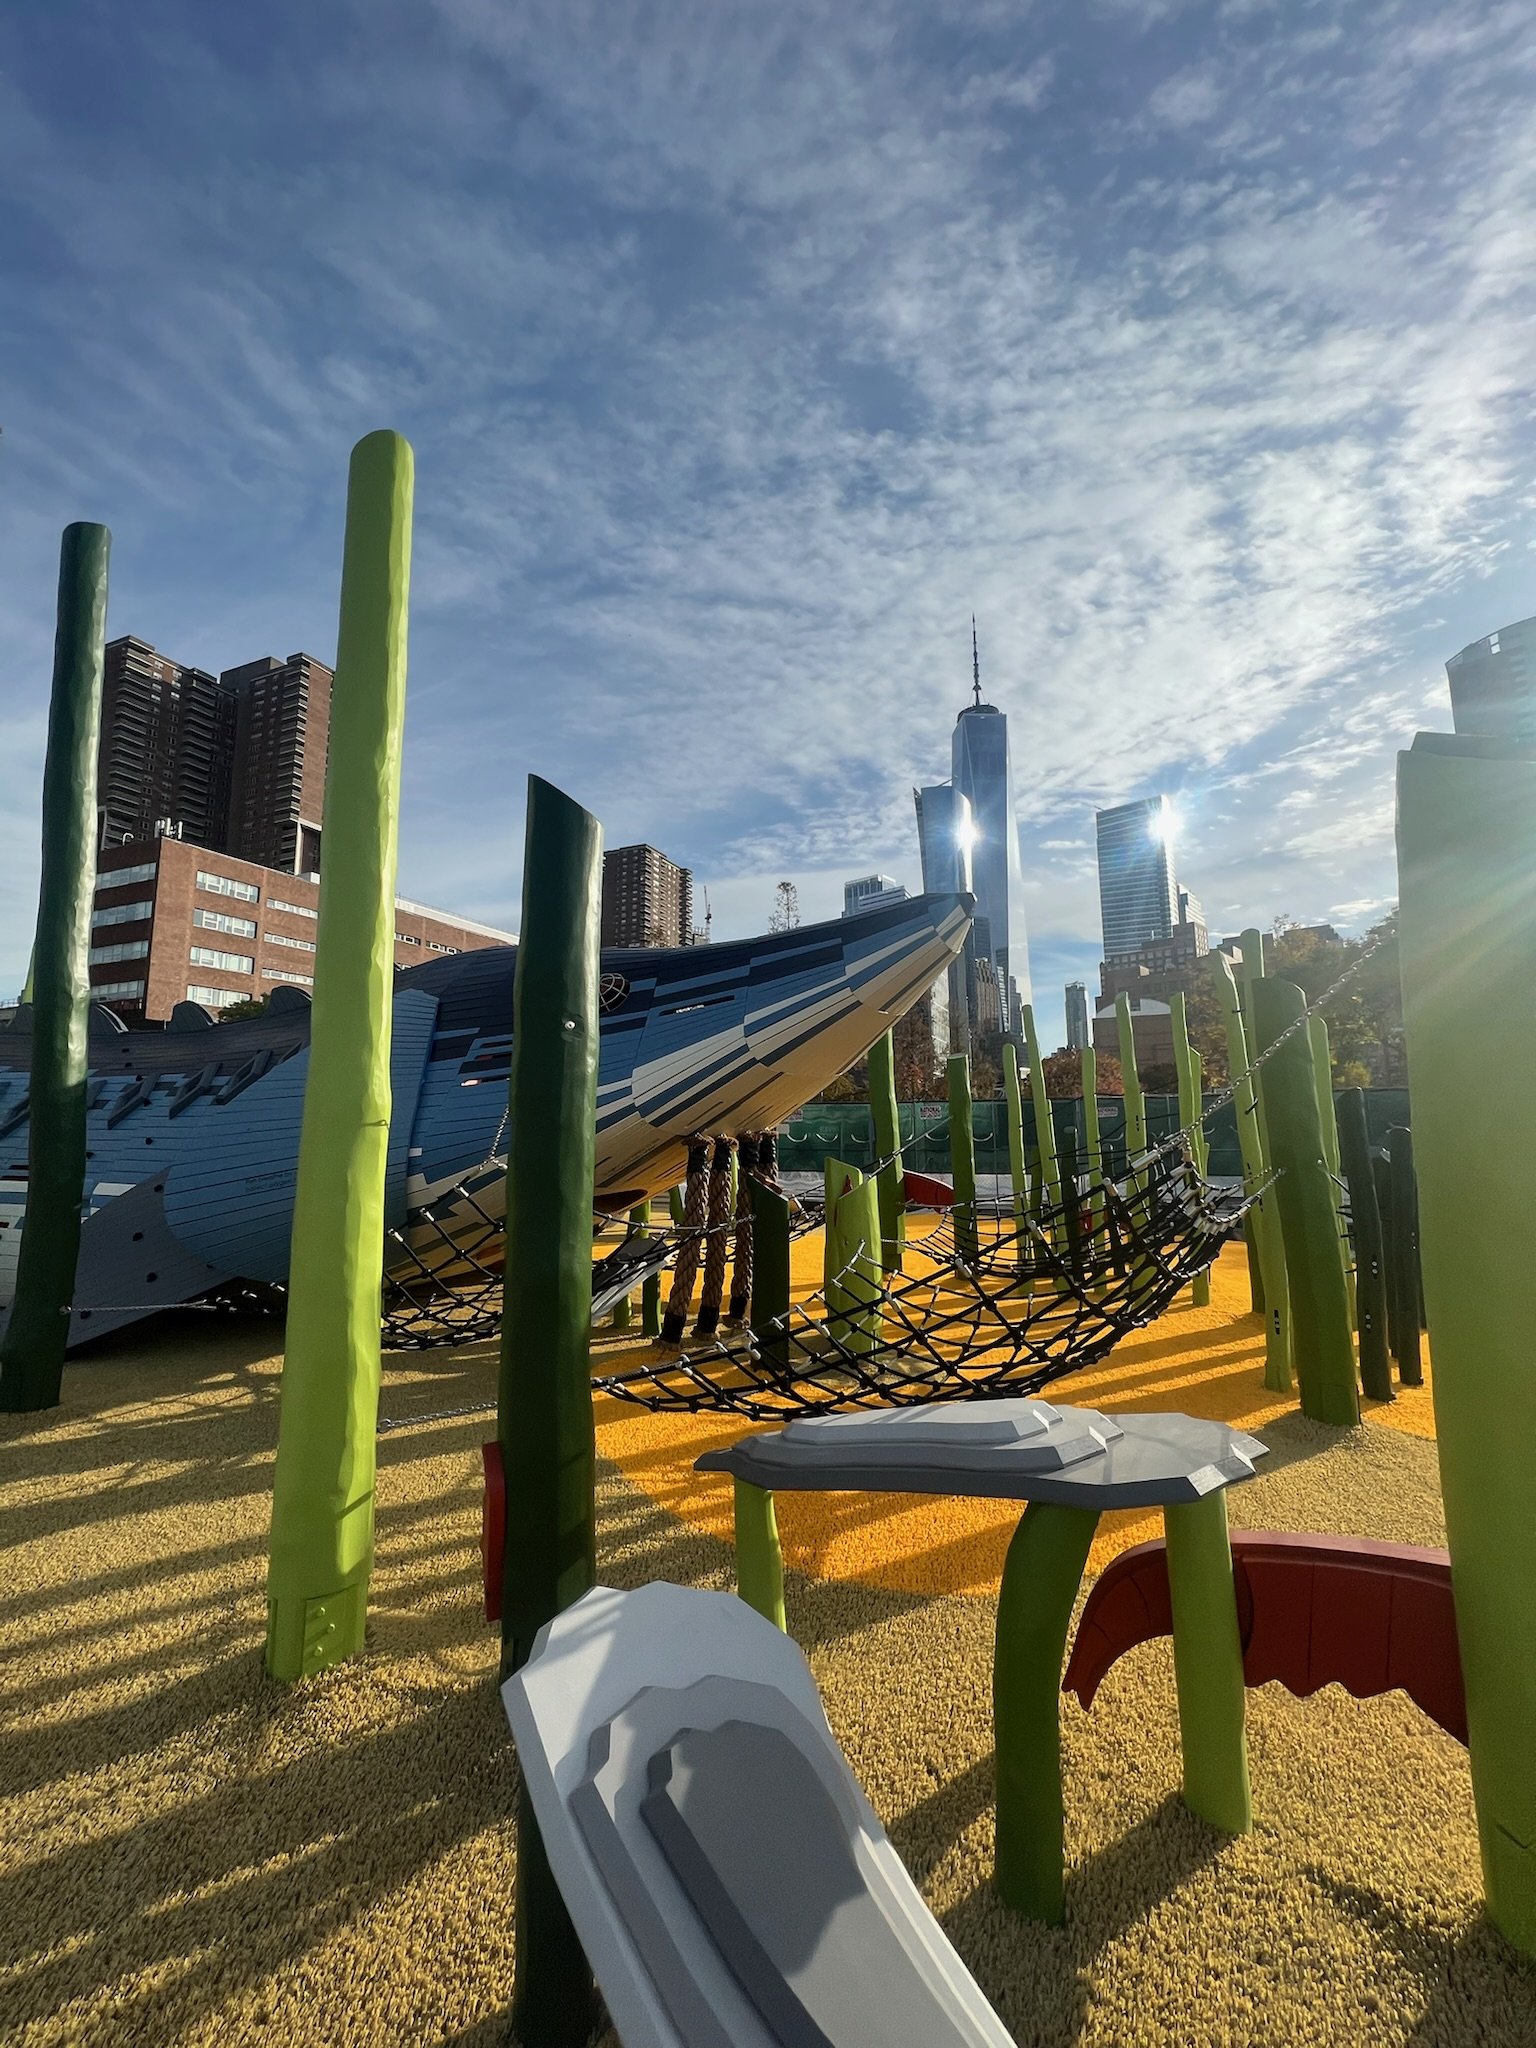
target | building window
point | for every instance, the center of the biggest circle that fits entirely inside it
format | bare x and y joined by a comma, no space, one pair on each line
114,878
434,947
282,939
215,998
130,949
405,939
231,963
121,913
277,974
293,909
226,885
117,991
222,921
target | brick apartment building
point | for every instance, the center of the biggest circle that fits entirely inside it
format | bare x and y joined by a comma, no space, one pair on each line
174,922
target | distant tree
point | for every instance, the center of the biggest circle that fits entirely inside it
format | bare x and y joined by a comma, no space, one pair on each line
248,1006
1351,1074
1159,1077
841,1089
1064,1075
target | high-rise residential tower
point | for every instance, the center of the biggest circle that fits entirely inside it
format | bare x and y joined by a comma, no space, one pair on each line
282,738
1079,1035
980,768
647,899
166,749
1493,684
1138,893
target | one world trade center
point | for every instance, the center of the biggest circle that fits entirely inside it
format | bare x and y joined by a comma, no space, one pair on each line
981,770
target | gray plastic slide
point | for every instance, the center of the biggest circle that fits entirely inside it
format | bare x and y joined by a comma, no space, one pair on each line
730,1882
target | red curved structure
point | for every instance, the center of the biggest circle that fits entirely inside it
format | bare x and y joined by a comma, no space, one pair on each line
1311,1610
927,1191
493,1526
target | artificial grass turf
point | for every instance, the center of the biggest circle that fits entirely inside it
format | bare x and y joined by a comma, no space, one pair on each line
189,1853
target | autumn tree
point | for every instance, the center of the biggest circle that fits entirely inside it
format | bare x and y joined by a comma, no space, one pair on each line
1064,1075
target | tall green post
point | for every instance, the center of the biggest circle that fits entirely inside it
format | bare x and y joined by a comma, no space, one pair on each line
962,1154
544,1409
1264,1214
1251,963
1092,1137
1322,1341
1328,1117
1466,848
1365,1227
1018,1173
1045,1127
1135,1101
322,1490
1191,1102
59,981
1404,1264
889,1179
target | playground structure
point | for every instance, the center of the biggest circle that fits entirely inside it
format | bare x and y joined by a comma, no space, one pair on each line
1074,1258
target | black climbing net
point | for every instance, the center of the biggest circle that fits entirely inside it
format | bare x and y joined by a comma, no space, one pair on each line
990,1301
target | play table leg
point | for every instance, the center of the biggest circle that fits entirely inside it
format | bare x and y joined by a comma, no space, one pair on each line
759,1562
1208,1663
1043,1571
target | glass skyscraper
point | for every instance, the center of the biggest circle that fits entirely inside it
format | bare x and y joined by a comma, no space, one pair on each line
1493,684
981,770
944,836
1138,892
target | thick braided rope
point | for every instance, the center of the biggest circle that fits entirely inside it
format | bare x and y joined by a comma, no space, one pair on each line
686,1265
717,1247
750,1167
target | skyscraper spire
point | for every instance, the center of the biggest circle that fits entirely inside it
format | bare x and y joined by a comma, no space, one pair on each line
975,661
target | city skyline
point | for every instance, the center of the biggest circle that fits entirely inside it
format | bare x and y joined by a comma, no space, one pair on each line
728,413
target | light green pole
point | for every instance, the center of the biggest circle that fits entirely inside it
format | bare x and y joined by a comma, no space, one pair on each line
1045,1131
59,985
887,1122
322,1492
1322,1070
1091,1134
1018,1171
962,1154
1322,1340
1135,1101
544,1411
1466,848
1266,1228
1191,1101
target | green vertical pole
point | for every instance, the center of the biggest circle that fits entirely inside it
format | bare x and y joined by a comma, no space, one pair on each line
1322,1070
1322,1341
1092,1138
962,1154
322,1489
59,980
1365,1225
1041,1575
1466,843
650,1291
1135,1101
1049,1176
1208,1662
1191,1101
1405,1262
544,1413
759,1560
770,1274
623,1315
887,1122
1264,1213
1018,1175
1250,964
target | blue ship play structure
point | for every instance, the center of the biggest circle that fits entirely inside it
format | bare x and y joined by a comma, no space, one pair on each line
194,1130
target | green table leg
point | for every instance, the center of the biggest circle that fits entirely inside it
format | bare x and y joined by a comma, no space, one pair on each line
1043,1571
1208,1663
759,1561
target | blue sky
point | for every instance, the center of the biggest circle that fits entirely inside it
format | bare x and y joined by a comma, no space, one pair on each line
747,350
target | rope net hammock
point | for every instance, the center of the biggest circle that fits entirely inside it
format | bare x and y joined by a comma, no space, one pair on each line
990,1303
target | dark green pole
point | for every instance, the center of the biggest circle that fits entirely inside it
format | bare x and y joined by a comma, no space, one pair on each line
1365,1228
544,1413
1405,1265
770,1274
962,1154
1322,1342
32,1355
887,1122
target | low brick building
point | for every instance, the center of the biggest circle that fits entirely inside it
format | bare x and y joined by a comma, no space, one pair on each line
174,923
